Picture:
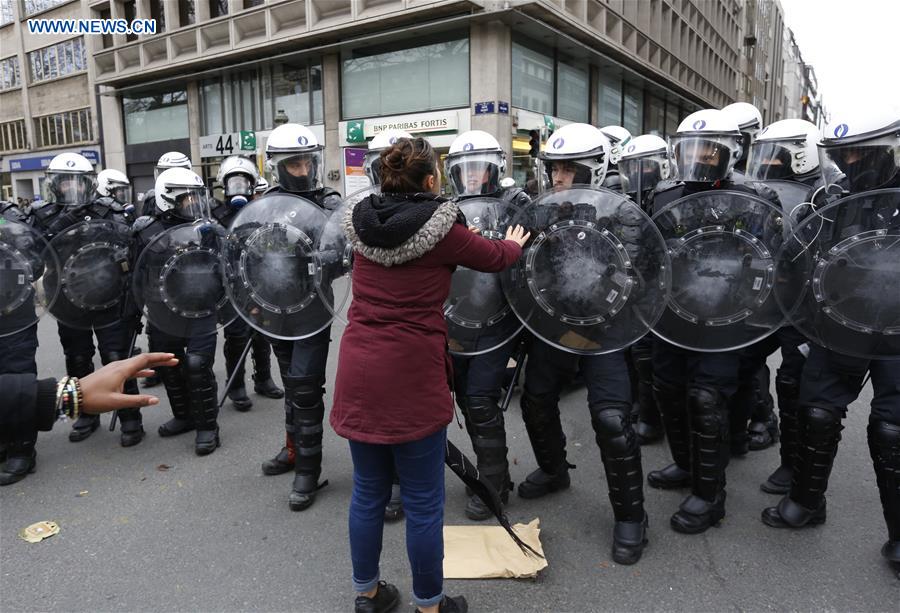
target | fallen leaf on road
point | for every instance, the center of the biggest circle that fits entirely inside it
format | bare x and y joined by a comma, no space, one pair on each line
35,533
81,494
603,565
163,467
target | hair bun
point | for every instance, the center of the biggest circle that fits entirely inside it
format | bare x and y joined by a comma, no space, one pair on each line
406,164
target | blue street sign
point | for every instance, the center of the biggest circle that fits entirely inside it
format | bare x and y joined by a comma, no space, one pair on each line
41,162
503,107
484,108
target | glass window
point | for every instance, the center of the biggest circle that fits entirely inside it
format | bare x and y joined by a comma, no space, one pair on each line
251,3
633,109
290,89
6,15
673,118
9,72
69,53
315,83
185,12
218,8
654,116
532,80
609,97
422,78
155,117
211,106
12,135
36,6
130,10
158,13
573,93
80,63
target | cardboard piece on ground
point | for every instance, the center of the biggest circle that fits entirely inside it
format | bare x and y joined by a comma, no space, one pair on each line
487,552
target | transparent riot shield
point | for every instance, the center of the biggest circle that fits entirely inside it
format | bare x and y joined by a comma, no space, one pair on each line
722,245
479,319
839,275
595,275
29,277
281,265
178,280
94,275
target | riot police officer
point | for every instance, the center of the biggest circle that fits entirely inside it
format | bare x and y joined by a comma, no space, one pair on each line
191,386
692,388
172,159
749,121
238,177
644,164
865,150
17,356
619,138
474,167
783,157
380,142
70,184
578,154
297,160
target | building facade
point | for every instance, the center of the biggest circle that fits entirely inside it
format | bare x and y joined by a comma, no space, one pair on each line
762,80
47,98
219,74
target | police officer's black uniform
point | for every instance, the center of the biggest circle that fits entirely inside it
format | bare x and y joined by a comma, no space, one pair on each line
112,341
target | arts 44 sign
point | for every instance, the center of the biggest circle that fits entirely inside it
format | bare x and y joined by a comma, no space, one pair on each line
220,145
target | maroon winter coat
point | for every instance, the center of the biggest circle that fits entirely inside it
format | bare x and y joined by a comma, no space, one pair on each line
392,376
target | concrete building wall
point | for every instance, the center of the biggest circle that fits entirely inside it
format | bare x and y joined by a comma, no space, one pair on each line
60,95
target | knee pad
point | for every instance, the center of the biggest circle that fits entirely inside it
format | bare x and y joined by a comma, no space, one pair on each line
308,391
79,365
483,411
612,427
787,386
198,364
112,356
707,412
820,425
885,435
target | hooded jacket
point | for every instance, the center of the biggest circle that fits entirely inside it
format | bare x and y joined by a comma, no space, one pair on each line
394,372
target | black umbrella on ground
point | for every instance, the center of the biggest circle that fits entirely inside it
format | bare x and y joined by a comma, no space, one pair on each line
482,488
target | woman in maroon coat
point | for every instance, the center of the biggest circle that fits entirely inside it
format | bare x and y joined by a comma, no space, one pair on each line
392,396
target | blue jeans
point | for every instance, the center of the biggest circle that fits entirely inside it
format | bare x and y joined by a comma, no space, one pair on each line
420,466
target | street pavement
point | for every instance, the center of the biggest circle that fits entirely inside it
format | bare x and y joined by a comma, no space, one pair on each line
156,528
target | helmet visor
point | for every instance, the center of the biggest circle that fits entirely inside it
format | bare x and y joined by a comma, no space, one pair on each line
566,173
189,203
770,160
704,159
299,172
474,174
237,185
640,174
862,166
70,188
120,193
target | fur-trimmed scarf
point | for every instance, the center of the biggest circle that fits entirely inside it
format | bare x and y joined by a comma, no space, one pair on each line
392,229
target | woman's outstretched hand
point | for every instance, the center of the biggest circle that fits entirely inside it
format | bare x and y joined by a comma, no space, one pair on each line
518,235
102,389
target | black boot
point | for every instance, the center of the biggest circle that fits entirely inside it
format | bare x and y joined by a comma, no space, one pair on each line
788,389
452,604
884,447
541,416
81,366
262,369
820,433
386,599
132,430
484,420
621,455
175,380
705,507
204,405
234,352
284,460
649,428
21,459
672,403
305,400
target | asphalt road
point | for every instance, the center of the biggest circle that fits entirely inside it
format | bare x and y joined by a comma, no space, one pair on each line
214,534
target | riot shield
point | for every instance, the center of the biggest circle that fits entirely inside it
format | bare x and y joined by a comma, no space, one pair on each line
178,280
94,274
279,274
722,245
479,319
794,197
839,275
595,275
29,277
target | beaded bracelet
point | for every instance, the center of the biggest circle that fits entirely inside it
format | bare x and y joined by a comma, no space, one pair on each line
69,398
